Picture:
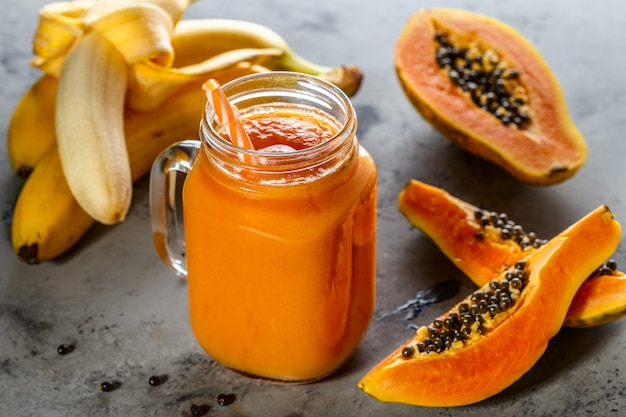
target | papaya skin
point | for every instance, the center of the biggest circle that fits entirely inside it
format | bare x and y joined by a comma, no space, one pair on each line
451,224
486,365
547,151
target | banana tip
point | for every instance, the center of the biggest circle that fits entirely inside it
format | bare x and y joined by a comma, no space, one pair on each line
29,253
346,77
23,171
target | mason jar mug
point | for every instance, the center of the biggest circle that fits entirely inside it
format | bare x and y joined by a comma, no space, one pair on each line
277,243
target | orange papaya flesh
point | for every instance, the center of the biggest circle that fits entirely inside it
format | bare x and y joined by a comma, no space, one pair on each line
502,345
477,249
600,300
472,238
545,149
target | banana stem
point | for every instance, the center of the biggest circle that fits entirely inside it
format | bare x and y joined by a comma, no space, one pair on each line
294,62
348,77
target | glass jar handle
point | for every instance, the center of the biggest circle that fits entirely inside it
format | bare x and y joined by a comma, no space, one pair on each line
167,175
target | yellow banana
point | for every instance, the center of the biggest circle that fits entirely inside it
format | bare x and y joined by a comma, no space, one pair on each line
46,217
210,37
31,128
47,220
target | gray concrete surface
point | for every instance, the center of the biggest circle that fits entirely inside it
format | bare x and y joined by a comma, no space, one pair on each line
127,315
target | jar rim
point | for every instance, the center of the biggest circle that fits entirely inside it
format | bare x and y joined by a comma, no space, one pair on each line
286,84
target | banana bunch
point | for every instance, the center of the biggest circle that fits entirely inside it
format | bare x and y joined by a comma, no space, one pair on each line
121,82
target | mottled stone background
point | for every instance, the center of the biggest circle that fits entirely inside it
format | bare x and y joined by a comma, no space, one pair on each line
127,315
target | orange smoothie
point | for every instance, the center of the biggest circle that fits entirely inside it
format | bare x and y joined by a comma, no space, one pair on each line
281,276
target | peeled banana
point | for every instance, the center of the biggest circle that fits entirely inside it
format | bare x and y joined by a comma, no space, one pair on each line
91,98
90,128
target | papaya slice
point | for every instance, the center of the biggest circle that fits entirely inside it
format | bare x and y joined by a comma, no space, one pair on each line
483,243
482,85
600,300
504,327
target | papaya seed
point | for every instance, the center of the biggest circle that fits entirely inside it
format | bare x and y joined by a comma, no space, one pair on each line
606,268
507,228
611,264
471,316
65,348
408,351
484,77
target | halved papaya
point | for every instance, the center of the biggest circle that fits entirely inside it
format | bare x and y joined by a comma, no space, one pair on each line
504,327
483,243
485,87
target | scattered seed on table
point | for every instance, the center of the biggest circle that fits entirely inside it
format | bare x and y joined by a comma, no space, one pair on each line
199,410
226,399
64,349
108,386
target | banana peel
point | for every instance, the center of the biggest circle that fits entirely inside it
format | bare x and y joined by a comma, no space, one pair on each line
144,94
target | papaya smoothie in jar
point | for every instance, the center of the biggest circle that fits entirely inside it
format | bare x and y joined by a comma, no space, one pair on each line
280,239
